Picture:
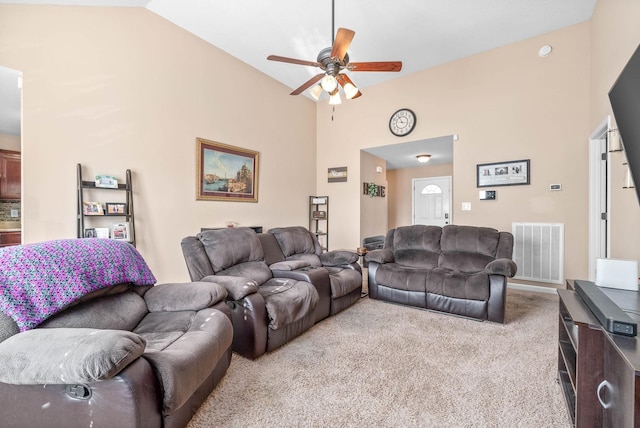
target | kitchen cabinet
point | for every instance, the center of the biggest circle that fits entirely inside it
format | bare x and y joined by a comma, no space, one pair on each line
10,175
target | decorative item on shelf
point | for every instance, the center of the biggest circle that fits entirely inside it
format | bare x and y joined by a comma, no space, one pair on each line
116,208
102,232
231,224
120,231
319,214
92,208
106,181
628,181
90,233
319,201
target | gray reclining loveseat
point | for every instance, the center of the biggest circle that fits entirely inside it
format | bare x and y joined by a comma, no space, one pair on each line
267,312
461,270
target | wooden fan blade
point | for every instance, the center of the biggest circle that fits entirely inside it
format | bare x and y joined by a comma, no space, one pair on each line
343,79
375,66
309,83
341,43
292,60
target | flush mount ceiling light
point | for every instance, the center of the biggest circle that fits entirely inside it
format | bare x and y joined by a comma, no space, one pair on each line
545,51
424,158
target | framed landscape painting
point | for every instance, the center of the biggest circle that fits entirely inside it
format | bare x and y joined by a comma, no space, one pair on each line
225,173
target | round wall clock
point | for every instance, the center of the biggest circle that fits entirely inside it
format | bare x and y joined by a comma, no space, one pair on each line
402,122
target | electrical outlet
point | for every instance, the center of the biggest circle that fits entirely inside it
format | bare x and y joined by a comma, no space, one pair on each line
466,206
15,213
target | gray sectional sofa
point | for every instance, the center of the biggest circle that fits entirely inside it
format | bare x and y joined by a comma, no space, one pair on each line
279,283
461,270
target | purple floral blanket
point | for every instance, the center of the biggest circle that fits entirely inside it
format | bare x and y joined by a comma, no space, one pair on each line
38,280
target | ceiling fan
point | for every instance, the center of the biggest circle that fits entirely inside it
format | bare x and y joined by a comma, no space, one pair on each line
333,61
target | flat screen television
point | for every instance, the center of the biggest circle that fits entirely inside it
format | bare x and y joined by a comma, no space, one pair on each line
625,102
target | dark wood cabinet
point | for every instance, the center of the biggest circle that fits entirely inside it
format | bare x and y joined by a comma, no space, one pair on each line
10,175
10,238
599,371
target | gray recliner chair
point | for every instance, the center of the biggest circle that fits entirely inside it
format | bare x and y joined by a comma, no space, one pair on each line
336,274
267,312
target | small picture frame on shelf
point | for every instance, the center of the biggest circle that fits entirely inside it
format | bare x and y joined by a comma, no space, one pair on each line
319,215
116,208
102,232
90,233
106,182
120,231
319,201
92,208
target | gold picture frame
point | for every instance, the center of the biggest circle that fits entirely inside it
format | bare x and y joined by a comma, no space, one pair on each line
225,173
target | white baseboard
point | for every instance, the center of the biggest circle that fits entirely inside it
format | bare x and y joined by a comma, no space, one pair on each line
535,288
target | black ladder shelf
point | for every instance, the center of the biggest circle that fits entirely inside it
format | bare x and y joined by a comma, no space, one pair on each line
128,216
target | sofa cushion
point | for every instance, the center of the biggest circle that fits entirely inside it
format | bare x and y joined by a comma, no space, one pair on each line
338,258
117,312
189,296
287,300
256,271
402,278
67,355
343,280
464,262
417,246
295,240
470,239
196,341
450,283
229,247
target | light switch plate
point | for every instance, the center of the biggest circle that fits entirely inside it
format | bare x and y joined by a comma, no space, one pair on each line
15,213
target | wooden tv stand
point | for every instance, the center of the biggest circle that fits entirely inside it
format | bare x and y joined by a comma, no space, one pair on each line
599,371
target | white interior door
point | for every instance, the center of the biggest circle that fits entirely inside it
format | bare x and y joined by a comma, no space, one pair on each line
432,201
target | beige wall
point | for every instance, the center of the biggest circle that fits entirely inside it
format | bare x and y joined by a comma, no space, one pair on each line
118,88
373,210
401,190
10,142
506,104
615,36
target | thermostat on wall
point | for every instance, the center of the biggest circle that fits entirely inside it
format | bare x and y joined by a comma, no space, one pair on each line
487,195
555,187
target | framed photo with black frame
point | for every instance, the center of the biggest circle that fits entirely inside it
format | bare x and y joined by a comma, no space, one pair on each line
511,173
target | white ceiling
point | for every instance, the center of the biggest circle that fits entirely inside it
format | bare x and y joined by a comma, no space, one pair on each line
421,34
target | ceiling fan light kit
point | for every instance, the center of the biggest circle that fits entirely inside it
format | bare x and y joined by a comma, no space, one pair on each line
333,60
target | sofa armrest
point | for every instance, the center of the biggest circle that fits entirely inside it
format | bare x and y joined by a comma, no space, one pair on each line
189,296
67,355
379,256
505,267
289,265
238,287
338,258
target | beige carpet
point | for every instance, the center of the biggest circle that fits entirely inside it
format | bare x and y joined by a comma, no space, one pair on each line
379,364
